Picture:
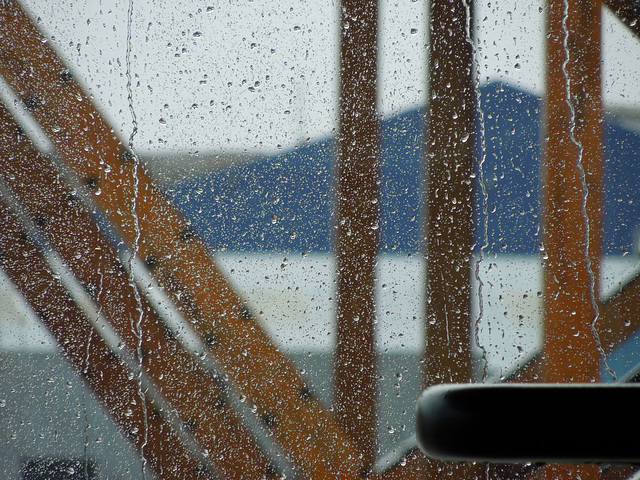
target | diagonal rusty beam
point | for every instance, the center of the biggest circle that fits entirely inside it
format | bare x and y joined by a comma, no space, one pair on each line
535,472
628,12
618,321
91,357
152,225
68,226
620,315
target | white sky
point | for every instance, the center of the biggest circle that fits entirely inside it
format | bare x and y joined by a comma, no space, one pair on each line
253,75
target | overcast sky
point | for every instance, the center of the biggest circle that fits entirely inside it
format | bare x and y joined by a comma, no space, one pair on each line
261,75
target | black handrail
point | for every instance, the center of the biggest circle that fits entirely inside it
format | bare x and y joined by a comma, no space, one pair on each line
537,423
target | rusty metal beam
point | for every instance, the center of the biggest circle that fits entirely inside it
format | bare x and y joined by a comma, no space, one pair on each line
449,169
572,172
628,12
572,190
617,322
307,432
414,465
450,139
620,315
91,357
67,225
357,181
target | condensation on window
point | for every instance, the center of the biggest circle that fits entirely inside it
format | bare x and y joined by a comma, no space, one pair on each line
238,241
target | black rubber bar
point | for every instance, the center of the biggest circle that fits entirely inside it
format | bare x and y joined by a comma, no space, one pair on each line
538,423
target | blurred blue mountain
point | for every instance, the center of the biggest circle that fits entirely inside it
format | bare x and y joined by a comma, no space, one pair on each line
284,202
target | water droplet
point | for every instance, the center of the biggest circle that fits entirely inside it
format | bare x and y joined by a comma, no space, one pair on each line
517,66
162,121
391,430
414,31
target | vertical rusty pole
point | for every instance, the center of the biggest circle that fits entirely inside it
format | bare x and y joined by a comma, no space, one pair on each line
572,189
450,141
572,197
357,220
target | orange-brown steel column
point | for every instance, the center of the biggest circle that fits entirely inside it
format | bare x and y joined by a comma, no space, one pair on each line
449,143
449,164
572,198
572,189
448,236
357,221
450,140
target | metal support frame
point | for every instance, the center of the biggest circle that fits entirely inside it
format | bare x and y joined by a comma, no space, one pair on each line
357,180
169,246
115,385
583,71
572,190
572,215
179,260
69,228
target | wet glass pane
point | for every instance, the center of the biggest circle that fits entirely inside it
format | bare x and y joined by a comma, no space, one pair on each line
227,219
